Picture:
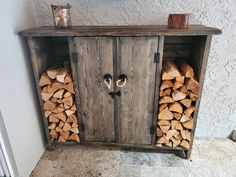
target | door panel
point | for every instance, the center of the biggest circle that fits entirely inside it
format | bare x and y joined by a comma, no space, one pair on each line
137,96
95,59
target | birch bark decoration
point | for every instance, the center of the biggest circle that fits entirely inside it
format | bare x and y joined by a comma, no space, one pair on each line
178,94
58,94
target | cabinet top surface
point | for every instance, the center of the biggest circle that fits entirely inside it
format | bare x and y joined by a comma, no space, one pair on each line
147,30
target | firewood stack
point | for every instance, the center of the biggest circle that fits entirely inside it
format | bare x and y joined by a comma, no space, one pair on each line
57,90
178,92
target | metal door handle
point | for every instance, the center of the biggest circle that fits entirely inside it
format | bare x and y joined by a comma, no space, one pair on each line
121,81
107,79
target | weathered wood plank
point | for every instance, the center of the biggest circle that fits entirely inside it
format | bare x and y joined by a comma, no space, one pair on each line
202,57
95,59
40,58
157,86
141,30
136,101
72,50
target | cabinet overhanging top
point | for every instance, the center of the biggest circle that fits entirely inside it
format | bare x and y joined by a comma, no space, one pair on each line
147,30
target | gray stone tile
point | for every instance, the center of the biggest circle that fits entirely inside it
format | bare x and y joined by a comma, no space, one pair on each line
171,160
164,172
140,158
210,158
127,170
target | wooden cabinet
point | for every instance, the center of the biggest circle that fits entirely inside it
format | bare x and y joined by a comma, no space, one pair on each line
125,114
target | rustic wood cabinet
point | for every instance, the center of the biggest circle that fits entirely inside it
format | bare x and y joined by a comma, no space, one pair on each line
119,116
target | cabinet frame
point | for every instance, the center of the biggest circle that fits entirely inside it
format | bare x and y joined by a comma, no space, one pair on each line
34,35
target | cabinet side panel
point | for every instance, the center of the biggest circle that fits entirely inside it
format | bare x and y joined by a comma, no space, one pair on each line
137,97
39,58
95,59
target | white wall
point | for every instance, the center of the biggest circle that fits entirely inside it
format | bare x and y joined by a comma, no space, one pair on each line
217,116
19,110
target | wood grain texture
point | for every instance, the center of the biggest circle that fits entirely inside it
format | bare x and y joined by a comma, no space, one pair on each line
202,57
144,30
157,86
72,50
95,59
136,101
40,58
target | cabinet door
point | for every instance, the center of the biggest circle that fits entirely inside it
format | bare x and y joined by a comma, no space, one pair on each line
95,59
137,96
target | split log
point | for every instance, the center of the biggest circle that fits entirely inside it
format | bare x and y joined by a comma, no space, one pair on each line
52,72
73,107
187,70
72,119
47,113
166,99
70,88
188,124
74,130
170,133
175,124
175,141
184,118
68,101
61,116
193,85
66,127
170,69
67,94
186,102
188,112
49,106
60,77
165,92
165,128
180,79
61,139
193,96
46,96
166,84
58,129
176,107
185,134
177,135
159,132
185,144
74,137
61,124
57,86
165,114
60,110
177,95
177,85
59,93
161,140
68,79
74,125
184,89
177,115
65,135
44,80
52,126
52,118
162,106
69,112
54,134
163,122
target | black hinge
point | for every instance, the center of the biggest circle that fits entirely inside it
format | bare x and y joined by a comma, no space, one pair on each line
82,127
152,130
157,57
74,57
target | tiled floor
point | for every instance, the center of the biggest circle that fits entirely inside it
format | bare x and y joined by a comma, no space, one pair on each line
210,158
